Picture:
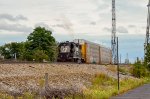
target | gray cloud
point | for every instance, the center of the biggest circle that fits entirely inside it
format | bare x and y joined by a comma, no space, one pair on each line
41,24
12,18
100,4
15,27
67,24
92,23
143,27
58,20
132,26
58,25
107,29
122,29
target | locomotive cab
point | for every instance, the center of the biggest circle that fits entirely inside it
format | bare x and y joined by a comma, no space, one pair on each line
69,51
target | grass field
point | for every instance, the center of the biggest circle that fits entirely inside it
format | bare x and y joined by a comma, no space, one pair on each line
103,87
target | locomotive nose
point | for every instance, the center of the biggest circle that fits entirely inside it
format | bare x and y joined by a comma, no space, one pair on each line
64,56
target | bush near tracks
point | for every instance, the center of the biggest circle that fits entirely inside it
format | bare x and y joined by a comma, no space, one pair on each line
140,70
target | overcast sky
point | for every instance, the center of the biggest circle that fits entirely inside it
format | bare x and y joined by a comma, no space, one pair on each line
70,19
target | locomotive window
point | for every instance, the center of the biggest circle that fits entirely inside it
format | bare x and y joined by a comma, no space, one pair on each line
72,48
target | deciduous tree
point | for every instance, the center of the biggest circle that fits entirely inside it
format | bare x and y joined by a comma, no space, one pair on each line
42,40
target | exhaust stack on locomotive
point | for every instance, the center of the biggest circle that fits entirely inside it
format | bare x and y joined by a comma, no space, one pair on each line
84,51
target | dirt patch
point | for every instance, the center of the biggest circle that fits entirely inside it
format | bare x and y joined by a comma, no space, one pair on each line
30,77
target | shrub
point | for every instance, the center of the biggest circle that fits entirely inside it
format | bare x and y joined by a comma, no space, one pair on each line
139,70
39,55
123,71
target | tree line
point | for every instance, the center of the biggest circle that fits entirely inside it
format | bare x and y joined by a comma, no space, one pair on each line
40,45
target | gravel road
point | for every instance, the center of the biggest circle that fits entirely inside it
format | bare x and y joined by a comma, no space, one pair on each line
142,92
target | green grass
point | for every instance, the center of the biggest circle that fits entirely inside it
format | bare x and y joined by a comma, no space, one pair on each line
103,87
5,96
123,71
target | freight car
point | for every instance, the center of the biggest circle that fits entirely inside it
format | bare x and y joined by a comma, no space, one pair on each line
84,51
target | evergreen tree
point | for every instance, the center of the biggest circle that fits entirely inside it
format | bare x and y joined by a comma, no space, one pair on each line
147,57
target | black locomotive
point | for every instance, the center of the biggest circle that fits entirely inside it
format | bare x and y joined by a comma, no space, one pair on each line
69,51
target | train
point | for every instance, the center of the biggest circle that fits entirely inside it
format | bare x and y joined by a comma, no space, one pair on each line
83,51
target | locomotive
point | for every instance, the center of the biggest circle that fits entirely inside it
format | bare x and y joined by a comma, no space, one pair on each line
84,51
69,51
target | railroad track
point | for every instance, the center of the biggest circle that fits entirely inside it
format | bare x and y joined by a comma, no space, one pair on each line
29,62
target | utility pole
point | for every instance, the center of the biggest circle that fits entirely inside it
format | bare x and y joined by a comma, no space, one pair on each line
147,40
120,58
118,65
113,36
